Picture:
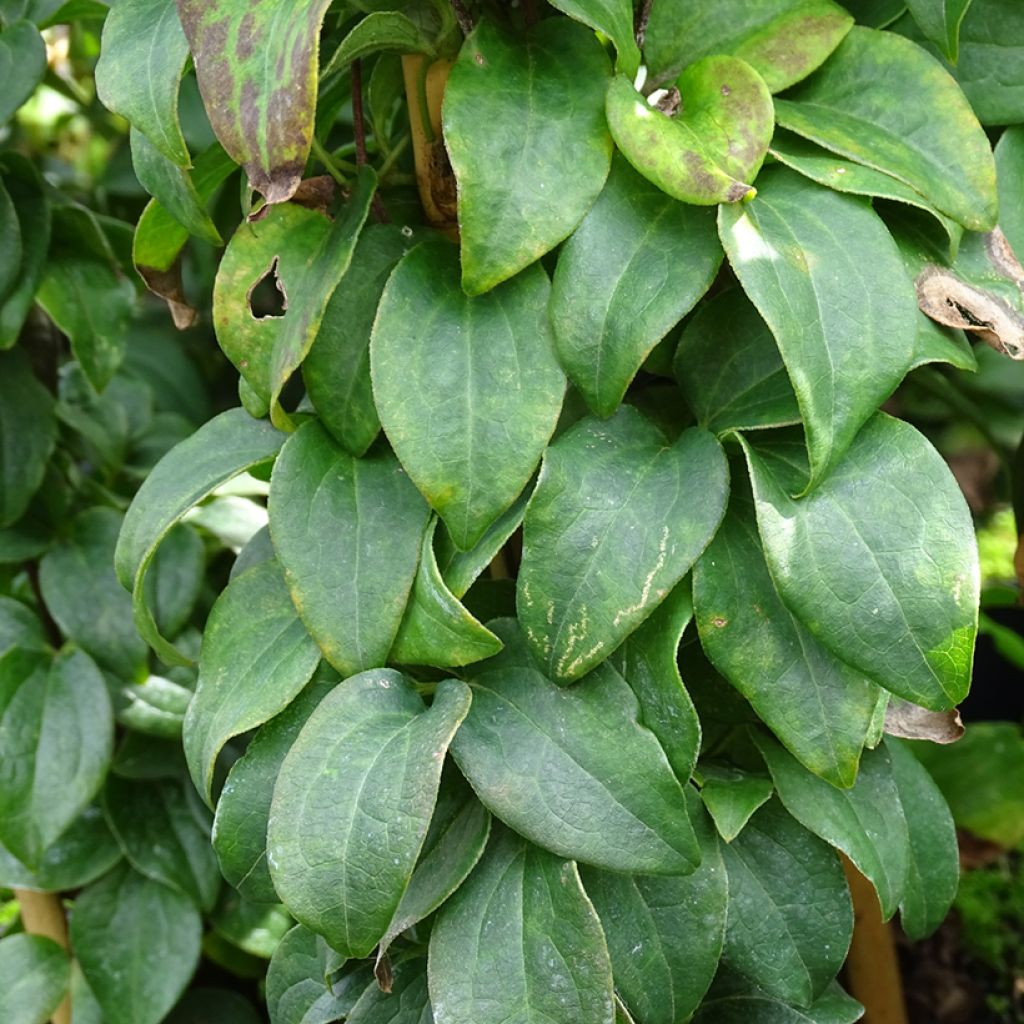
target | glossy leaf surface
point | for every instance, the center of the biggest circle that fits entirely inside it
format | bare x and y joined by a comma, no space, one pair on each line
34,975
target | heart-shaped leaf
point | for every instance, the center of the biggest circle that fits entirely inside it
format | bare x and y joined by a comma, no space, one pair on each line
711,151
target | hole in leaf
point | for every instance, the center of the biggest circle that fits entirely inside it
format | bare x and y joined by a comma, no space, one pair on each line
267,297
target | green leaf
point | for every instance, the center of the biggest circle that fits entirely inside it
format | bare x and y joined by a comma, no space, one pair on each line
729,368
933,871
493,355
855,106
28,432
10,243
844,175
137,943
255,928
711,151
455,842
1009,154
460,569
617,519
634,267
243,806
865,821
173,187
940,21
257,72
92,303
783,40
407,1002
520,941
322,271
790,916
978,777
990,58
173,586
256,658
25,187
297,992
353,802
880,563
826,276
819,707
336,371
514,209
647,660
732,795
834,1007
276,247
347,532
22,65
34,976
20,627
227,445
165,834
381,30
574,770
142,58
85,851
155,708
82,594
56,741
664,935
214,1006
436,628
612,18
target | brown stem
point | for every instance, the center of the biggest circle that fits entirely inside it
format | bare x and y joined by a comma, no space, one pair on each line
643,16
462,17
42,914
52,629
359,127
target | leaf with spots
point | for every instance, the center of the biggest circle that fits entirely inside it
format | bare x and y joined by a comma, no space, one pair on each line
257,71
353,802
617,519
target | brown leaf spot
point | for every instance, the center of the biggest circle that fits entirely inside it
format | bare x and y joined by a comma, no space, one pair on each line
737,192
167,284
910,722
726,90
718,622
382,972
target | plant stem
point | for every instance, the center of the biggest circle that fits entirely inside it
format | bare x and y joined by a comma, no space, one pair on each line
42,914
396,152
328,161
359,127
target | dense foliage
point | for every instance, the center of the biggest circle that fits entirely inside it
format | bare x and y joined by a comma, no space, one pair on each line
536,610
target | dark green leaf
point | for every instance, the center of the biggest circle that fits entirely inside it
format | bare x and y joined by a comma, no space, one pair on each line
322,270
664,935
436,628
255,928
256,658
784,40
520,941
138,943
78,584
34,975
880,563
940,21
617,519
612,18
22,65
347,532
1009,155
866,821
711,151
353,802
647,661
472,455
213,1006
156,707
408,1001
455,841
790,917
172,586
165,834
827,278
142,58
511,213
729,368
221,449
732,795
817,705
855,106
336,371
56,740
934,862
257,72
172,186
20,627
92,303
28,431
10,243
380,30
83,853
636,264
834,1007
243,807
574,770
